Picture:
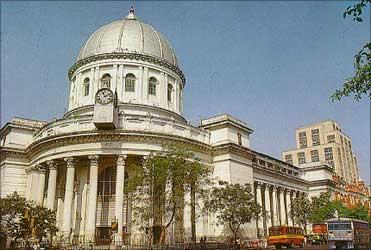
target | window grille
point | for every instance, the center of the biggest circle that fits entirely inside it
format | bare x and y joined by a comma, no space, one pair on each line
301,157
303,139
152,86
315,137
130,83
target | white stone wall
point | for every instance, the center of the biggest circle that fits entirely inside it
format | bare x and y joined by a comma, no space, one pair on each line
13,177
118,69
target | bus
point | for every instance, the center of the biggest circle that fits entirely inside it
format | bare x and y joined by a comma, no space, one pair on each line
345,233
285,236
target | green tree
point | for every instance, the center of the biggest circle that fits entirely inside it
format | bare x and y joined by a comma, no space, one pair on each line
22,219
359,84
322,208
358,212
197,180
233,204
159,190
300,211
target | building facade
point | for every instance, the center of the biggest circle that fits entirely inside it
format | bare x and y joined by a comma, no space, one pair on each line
125,102
325,142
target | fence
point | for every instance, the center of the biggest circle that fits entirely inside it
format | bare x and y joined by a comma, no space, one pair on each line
121,246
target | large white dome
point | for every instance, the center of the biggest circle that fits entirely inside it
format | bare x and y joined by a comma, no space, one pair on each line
128,35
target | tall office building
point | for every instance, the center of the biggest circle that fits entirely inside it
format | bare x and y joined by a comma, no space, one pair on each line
325,142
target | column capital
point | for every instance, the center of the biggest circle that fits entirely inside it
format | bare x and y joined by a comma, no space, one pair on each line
40,168
121,160
31,169
259,184
70,162
267,186
94,160
52,165
144,159
274,188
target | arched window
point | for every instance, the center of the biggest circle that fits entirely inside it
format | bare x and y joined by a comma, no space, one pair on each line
169,92
130,83
86,86
152,86
106,81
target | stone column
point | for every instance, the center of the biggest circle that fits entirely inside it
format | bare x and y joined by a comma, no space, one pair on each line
274,206
268,218
260,202
52,184
114,78
92,89
282,207
288,209
68,195
41,184
31,172
119,200
92,198
294,196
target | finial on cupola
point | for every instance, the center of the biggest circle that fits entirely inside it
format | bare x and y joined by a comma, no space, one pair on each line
131,14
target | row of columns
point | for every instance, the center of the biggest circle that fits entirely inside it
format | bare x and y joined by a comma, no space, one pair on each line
36,187
275,201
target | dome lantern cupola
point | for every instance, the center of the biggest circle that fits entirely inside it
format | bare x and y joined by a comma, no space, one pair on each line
131,14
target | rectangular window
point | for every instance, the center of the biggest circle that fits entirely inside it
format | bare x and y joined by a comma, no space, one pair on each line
301,157
130,85
314,155
315,137
328,154
302,139
239,139
169,92
330,138
288,159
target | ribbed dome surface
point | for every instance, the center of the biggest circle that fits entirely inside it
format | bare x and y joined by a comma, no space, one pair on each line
128,35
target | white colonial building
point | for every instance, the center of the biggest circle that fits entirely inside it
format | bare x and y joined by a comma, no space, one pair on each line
125,101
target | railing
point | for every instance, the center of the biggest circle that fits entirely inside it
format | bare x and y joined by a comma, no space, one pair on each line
127,122
241,245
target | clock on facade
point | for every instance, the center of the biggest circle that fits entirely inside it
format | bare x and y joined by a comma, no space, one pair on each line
104,96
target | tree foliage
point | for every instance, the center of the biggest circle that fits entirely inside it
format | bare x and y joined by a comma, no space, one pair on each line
159,189
233,205
359,84
319,209
22,219
322,208
300,211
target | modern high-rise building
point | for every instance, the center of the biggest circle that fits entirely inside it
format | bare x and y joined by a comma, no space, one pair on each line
325,142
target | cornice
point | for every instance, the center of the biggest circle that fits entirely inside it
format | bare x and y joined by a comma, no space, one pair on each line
6,152
326,182
278,174
114,136
127,55
231,148
122,105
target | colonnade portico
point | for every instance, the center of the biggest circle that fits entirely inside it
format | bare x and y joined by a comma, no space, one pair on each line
36,179
275,200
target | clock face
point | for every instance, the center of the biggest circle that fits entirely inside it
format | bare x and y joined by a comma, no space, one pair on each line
104,96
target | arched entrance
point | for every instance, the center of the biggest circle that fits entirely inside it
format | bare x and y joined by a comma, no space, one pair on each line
106,205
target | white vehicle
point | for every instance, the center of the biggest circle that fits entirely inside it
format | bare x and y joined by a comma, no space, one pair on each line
345,233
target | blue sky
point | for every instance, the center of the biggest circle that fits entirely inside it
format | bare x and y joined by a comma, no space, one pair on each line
271,64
